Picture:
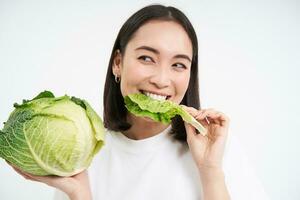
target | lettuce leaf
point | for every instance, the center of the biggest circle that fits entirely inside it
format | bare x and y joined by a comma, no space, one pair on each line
160,111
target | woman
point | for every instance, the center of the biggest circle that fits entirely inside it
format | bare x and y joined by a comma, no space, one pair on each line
155,53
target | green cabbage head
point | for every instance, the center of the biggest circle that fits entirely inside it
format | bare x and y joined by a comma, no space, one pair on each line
51,135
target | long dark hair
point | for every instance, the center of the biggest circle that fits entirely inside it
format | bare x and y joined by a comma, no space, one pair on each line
114,109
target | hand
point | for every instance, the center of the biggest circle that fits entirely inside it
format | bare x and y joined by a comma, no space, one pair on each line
208,150
76,187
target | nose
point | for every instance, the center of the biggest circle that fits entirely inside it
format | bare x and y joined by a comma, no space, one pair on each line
161,78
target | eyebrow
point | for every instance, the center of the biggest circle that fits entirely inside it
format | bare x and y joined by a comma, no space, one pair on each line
157,52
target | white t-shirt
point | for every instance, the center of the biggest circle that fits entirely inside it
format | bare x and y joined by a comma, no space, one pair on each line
161,167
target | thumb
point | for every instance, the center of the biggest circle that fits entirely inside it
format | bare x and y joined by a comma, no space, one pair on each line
192,134
190,131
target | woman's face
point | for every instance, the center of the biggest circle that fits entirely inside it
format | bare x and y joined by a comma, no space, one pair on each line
157,61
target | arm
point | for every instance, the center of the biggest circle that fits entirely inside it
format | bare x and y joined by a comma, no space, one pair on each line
213,184
79,196
207,151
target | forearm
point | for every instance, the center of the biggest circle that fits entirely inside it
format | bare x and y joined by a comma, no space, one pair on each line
80,196
213,184
82,192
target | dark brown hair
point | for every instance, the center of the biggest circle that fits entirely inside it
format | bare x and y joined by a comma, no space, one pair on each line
114,109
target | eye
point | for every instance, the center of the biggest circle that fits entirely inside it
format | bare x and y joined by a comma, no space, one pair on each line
146,58
179,65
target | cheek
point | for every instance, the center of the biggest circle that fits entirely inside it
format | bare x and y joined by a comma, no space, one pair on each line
135,71
182,83
132,74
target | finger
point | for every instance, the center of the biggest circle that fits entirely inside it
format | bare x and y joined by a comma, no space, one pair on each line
192,111
195,113
49,180
190,130
204,113
207,116
23,174
192,134
214,117
198,114
218,118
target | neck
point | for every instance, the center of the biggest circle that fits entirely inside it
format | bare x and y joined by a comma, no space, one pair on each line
143,127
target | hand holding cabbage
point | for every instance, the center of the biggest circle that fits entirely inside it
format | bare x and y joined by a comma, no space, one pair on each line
52,136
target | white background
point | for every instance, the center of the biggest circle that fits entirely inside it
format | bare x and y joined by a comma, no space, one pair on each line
249,64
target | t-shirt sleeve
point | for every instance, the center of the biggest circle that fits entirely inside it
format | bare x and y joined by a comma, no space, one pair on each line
241,179
58,195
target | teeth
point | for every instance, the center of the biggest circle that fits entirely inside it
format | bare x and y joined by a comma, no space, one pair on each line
155,96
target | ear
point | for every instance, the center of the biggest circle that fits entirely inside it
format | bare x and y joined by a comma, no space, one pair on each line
117,63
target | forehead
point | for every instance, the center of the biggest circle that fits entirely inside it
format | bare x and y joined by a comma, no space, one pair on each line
166,36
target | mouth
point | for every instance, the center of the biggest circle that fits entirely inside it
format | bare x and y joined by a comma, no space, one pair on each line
155,95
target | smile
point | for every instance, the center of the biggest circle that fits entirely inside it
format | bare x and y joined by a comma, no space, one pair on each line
156,96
